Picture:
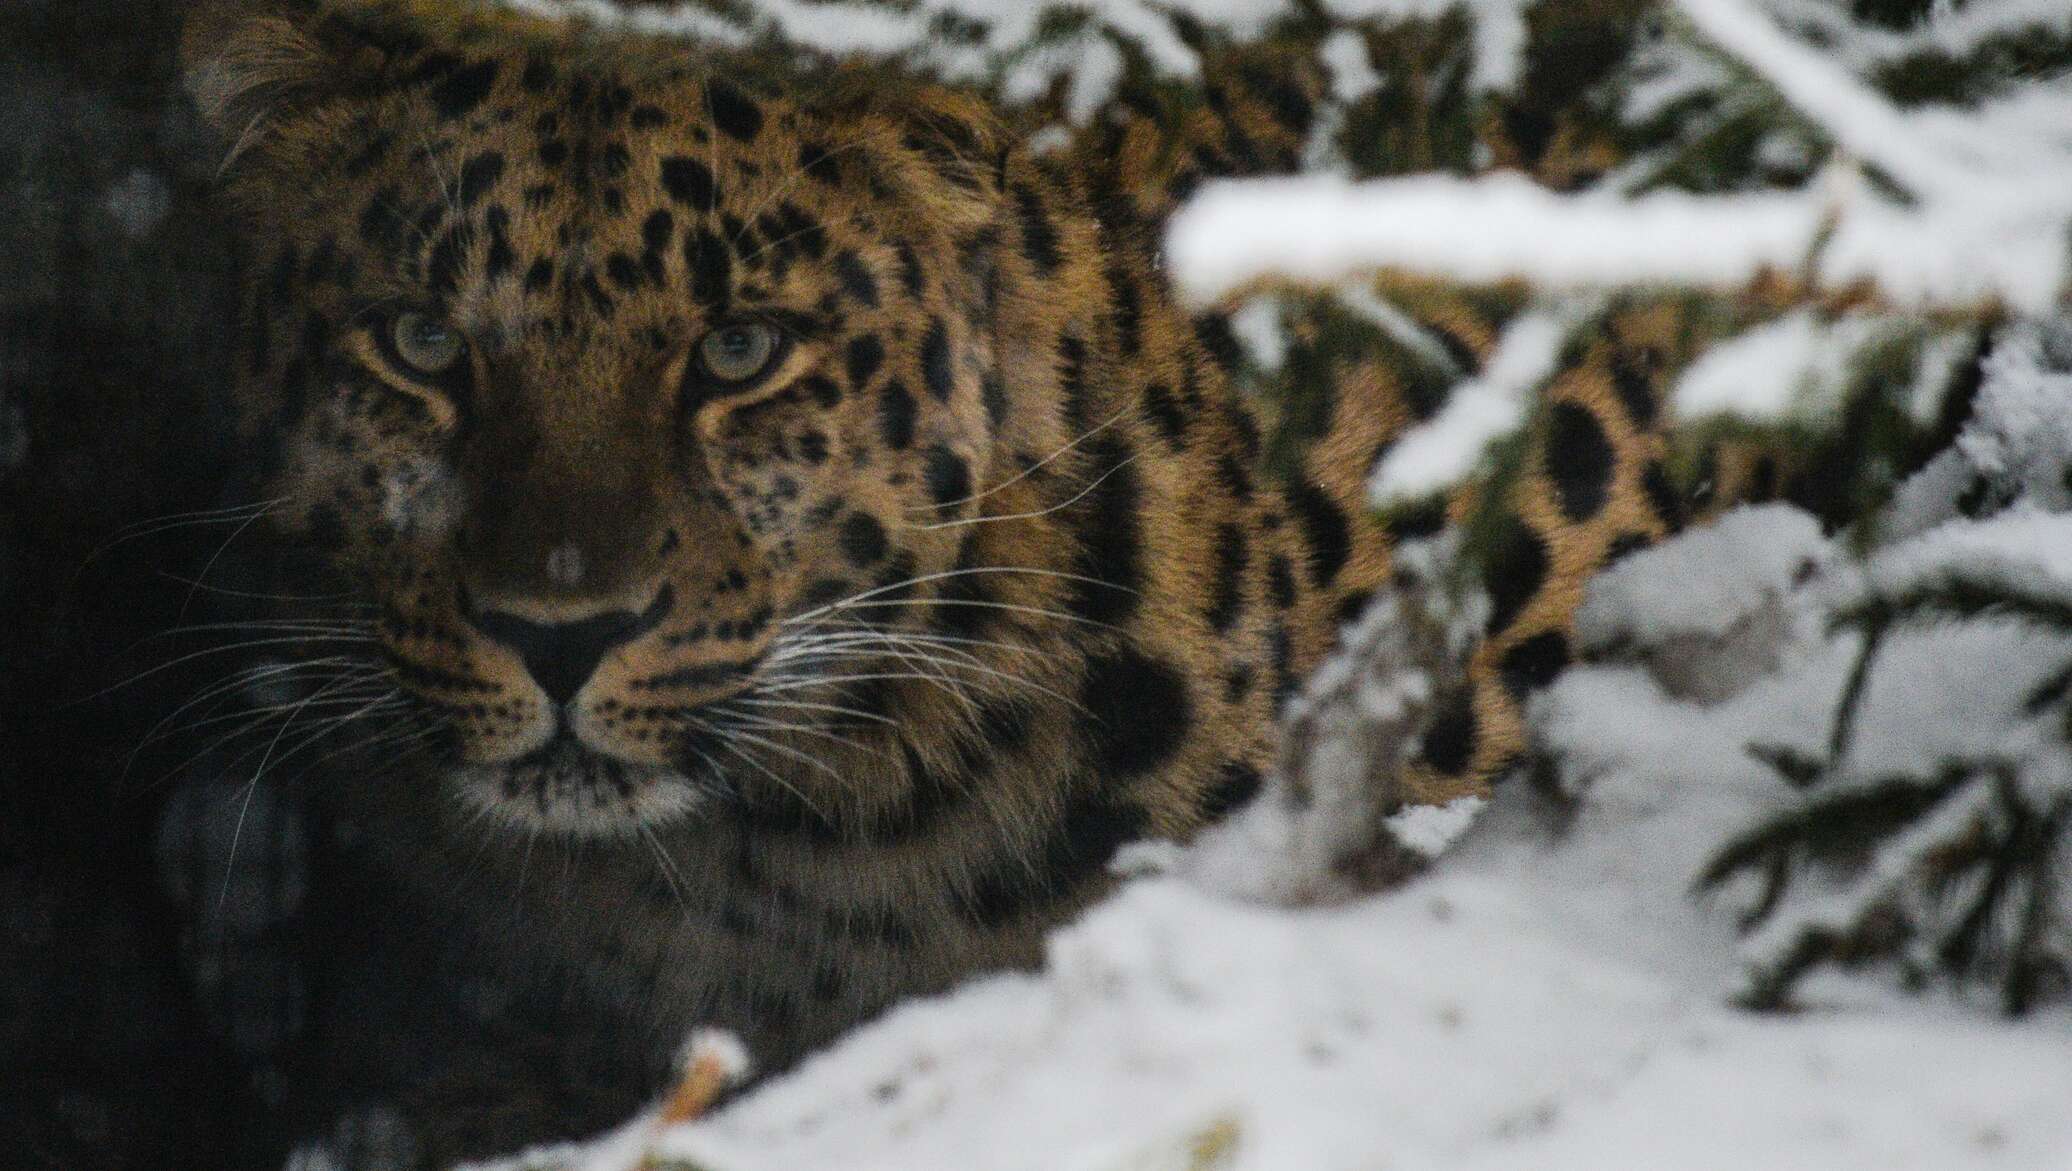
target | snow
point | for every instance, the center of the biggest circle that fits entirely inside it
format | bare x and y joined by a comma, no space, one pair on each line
1344,53
1358,297
1323,229
1860,119
2024,434
1009,48
1430,829
1968,26
723,1050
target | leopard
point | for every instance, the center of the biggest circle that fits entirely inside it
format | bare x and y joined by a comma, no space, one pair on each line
794,535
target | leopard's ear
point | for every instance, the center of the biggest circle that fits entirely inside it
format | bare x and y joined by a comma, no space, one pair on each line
249,66
941,145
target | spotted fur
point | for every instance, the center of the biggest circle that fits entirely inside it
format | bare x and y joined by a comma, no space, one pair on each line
994,572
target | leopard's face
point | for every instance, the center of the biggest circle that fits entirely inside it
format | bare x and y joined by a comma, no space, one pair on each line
619,391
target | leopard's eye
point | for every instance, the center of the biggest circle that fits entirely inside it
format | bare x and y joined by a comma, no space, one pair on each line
426,344
738,351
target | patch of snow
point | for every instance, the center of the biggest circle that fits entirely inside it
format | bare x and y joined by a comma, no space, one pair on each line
1795,366
683,20
1257,326
1049,140
722,1049
1722,573
1330,813
2021,551
1941,356
1323,229
1958,29
1667,71
1430,829
1008,47
1859,118
2023,429
1478,411
1359,298
1344,54
2016,448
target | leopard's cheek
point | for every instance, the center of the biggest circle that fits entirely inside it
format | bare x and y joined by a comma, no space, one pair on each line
770,463
793,474
477,694
364,481
417,496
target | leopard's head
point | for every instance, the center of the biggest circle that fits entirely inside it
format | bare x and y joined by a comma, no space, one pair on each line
612,377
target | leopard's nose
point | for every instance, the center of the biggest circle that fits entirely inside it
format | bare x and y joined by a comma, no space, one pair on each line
561,656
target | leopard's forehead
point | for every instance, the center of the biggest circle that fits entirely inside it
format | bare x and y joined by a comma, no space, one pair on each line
517,194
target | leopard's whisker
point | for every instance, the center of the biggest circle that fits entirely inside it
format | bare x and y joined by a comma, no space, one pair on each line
176,520
803,705
1041,512
944,575
867,635
204,653
394,738
344,599
1010,607
1033,468
398,743
221,549
259,774
239,679
727,740
734,730
832,735
345,628
891,644
670,874
952,687
339,699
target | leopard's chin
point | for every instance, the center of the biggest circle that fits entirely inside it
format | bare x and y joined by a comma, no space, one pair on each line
565,788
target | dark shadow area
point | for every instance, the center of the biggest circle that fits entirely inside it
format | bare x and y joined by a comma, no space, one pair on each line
115,286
